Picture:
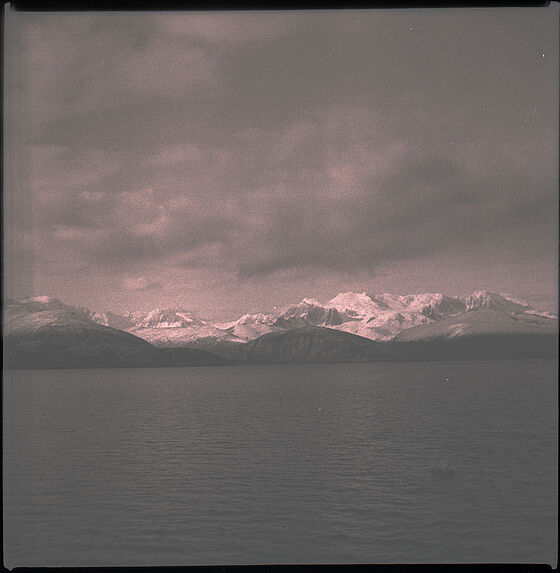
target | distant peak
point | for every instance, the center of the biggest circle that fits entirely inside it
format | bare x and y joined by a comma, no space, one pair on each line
39,303
491,295
170,317
40,299
310,302
258,318
352,297
496,301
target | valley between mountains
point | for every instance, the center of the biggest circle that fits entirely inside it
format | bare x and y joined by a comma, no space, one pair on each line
43,332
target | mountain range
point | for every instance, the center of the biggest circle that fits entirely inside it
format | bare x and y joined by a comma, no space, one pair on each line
44,332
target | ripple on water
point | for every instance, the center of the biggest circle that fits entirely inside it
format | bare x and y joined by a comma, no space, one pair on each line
225,466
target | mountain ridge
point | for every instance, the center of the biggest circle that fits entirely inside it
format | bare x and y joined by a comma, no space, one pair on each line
410,327
379,317
45,333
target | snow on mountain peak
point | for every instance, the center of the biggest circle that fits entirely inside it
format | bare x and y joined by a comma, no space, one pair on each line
434,305
308,312
40,303
356,304
172,317
310,302
39,300
374,316
483,299
43,299
364,304
259,318
109,318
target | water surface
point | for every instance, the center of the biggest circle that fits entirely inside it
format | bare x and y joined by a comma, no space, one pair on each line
363,463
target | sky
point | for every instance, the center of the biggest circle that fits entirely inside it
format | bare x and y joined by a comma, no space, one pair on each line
231,162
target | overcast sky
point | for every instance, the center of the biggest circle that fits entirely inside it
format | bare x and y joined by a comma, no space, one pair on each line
231,162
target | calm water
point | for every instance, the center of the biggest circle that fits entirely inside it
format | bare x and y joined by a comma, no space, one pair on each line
366,463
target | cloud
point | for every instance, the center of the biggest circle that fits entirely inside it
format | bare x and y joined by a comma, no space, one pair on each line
57,168
160,69
79,63
340,191
74,63
140,284
257,146
175,154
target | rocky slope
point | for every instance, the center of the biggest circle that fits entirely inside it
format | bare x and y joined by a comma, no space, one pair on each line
315,344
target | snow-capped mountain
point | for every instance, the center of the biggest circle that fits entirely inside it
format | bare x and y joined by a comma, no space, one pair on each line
185,335
363,305
30,314
42,332
174,317
310,312
483,334
45,332
109,318
160,327
250,326
172,326
379,317
483,299
32,304
485,321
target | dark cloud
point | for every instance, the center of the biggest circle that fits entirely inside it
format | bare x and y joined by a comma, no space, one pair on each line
323,193
252,147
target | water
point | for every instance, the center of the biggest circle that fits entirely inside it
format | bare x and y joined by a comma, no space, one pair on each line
364,463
